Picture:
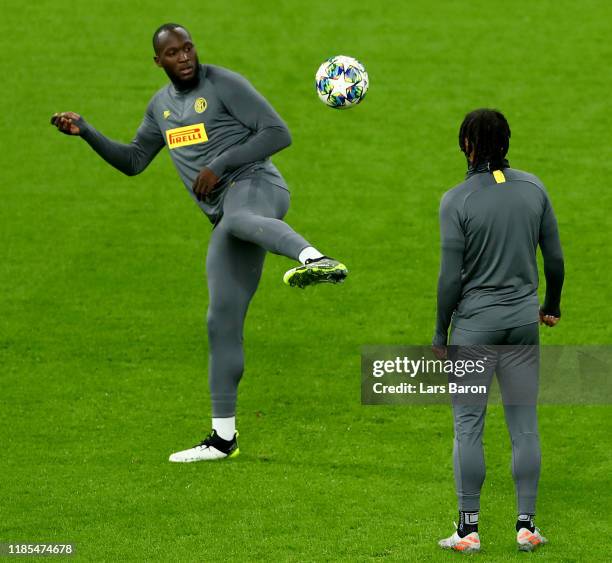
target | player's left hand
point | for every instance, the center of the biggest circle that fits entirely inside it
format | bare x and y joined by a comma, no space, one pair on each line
548,320
204,183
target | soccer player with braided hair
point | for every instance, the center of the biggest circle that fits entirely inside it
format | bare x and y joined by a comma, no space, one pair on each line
491,226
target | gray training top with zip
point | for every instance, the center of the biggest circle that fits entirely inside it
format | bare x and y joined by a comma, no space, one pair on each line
491,226
222,123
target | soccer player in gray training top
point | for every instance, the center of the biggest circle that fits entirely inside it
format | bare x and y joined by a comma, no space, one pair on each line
220,132
491,225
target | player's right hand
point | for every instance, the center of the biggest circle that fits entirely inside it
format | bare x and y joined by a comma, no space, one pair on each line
440,352
548,320
65,122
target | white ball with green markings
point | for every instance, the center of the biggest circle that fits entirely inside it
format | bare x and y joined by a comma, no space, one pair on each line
342,82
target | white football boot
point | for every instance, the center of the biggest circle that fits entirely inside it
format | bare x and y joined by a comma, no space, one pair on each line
529,541
467,544
211,448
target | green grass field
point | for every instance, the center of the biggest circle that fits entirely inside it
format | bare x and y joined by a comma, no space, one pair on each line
102,339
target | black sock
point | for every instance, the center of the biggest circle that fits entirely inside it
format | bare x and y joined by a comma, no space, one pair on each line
525,521
468,523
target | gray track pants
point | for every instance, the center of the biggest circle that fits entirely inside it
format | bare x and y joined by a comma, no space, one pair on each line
250,226
517,369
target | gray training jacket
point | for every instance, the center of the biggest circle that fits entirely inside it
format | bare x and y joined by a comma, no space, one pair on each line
223,123
490,229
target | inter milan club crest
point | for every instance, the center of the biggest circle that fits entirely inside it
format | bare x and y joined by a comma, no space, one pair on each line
200,105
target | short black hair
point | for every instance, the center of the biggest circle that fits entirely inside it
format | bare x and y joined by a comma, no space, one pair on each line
165,27
488,135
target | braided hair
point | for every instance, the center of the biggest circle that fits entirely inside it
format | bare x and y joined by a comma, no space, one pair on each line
488,136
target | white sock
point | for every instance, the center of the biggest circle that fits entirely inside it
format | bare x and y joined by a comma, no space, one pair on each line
309,253
225,427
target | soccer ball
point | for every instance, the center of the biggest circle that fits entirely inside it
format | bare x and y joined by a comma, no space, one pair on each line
342,82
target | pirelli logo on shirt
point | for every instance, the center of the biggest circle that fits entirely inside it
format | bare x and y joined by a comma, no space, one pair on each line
184,136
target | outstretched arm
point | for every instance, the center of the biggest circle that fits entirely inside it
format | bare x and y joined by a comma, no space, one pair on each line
452,242
131,158
554,266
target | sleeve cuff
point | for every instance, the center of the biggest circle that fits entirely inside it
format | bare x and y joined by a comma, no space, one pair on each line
554,311
439,340
217,166
83,126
